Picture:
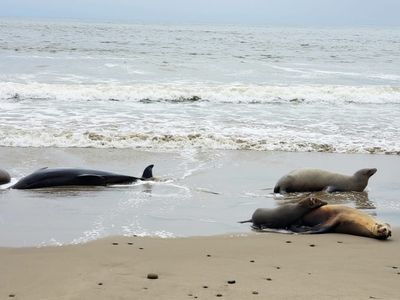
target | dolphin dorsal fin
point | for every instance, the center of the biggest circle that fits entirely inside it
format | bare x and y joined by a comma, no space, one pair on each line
148,172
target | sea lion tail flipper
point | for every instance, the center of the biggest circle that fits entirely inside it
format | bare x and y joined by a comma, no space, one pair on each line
148,172
90,179
247,221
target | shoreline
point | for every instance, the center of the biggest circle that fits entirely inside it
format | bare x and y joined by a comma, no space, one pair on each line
280,266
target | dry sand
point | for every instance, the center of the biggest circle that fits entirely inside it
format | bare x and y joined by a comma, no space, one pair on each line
260,266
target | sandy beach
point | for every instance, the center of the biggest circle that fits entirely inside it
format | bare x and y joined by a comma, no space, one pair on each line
253,266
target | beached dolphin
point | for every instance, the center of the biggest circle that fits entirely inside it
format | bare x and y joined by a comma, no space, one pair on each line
46,177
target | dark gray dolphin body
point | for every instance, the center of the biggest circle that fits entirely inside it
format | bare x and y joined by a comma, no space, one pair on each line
45,177
283,216
4,177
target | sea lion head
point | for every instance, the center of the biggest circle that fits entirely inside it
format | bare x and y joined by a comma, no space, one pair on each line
382,231
367,173
312,202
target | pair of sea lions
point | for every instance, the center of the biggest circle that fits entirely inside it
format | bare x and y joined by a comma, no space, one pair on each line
321,218
312,215
56,177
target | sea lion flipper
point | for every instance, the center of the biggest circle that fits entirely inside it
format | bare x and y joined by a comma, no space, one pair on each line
331,189
310,230
90,179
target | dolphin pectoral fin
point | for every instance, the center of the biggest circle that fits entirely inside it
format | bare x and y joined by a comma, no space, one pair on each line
44,168
89,179
147,173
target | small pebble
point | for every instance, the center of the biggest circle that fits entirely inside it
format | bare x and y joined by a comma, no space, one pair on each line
269,279
231,281
218,295
130,243
205,287
140,248
340,242
252,261
312,245
100,283
190,295
208,255
394,267
278,268
255,293
115,244
11,295
152,276
288,242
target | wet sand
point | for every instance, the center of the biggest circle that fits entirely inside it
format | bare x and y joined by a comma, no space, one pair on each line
255,266
206,194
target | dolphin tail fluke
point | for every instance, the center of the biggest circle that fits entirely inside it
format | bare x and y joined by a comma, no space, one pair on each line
148,172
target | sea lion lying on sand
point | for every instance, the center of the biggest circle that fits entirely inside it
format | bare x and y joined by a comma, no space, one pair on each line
283,216
45,177
4,177
342,219
313,180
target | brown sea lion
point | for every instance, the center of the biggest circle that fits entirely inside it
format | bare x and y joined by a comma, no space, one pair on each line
342,219
283,216
4,177
313,180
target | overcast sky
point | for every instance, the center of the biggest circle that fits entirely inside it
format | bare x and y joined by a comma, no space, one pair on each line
270,12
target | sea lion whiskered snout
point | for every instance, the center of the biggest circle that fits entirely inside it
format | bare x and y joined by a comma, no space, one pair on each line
312,202
382,231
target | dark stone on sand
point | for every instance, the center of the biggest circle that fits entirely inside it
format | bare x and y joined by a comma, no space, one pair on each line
100,283
130,243
269,279
205,287
278,268
152,276
115,244
312,245
255,293
288,242
140,248
208,255
11,295
252,261
340,242
218,295
394,267
231,281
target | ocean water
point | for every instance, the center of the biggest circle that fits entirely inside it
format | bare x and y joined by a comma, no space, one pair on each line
173,87
80,94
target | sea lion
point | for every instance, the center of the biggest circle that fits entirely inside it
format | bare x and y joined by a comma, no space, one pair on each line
283,216
342,219
45,177
313,180
4,177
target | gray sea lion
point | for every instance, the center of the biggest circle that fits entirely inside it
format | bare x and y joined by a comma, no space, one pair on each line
283,216
4,177
342,219
313,180
45,177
